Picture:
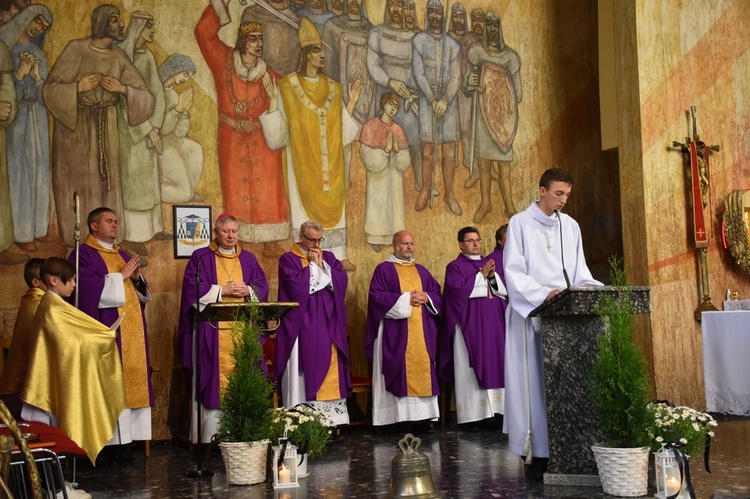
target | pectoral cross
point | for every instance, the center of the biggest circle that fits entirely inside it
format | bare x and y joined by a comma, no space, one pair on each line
698,154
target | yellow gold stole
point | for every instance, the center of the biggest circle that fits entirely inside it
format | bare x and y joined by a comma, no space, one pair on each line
313,110
228,269
418,373
132,342
329,389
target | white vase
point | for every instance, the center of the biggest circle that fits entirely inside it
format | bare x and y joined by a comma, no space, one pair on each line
623,472
302,466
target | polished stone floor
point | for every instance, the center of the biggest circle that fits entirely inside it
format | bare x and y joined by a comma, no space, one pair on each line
465,464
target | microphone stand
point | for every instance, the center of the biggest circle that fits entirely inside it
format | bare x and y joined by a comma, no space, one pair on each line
199,472
562,255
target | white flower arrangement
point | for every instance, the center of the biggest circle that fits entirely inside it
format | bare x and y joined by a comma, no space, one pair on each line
680,425
310,429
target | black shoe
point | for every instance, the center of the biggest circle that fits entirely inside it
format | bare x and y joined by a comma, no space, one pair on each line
535,470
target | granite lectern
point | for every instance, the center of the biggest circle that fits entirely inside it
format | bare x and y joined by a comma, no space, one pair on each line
570,328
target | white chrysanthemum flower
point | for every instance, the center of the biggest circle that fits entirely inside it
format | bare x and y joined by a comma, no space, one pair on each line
683,441
660,439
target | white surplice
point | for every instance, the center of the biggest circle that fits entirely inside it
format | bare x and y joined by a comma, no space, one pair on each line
533,268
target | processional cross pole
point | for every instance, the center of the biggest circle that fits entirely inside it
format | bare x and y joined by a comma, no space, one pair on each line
697,154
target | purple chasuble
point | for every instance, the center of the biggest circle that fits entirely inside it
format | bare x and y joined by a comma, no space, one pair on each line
204,260
482,325
385,290
90,283
323,317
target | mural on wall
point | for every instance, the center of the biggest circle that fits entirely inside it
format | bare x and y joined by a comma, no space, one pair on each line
127,126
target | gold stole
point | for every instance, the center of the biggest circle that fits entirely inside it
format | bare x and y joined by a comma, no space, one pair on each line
313,110
133,346
228,268
329,389
418,375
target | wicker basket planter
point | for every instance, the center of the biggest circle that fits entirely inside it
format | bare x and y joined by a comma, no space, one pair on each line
245,462
623,472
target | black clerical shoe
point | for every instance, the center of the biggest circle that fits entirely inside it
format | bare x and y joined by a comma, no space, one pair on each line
535,470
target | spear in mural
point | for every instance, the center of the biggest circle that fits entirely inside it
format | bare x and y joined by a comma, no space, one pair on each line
77,235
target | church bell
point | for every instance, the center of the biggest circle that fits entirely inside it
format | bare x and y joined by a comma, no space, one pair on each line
411,475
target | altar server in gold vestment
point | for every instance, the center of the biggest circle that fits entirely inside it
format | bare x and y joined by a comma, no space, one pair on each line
111,288
401,337
74,373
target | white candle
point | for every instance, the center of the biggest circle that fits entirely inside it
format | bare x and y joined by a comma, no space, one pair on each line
673,486
285,475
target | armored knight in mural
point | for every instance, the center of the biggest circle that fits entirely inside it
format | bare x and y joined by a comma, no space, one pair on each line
252,181
279,22
389,64
181,162
314,124
435,64
28,135
82,92
494,68
316,11
141,145
464,98
458,21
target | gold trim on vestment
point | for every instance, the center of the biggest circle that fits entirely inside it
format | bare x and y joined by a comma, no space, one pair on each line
231,270
418,372
132,337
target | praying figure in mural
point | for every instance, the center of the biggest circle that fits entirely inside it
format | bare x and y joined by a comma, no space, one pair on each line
141,145
279,22
385,156
458,22
465,100
8,109
494,77
252,180
435,63
82,92
28,135
389,63
311,120
181,161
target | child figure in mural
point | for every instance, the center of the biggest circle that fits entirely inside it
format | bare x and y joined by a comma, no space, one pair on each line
385,154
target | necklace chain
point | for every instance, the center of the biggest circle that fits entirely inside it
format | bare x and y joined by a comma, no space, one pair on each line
229,273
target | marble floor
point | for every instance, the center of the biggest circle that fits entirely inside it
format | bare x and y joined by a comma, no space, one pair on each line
465,464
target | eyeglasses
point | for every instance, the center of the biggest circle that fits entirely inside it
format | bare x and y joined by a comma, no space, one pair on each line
319,241
472,241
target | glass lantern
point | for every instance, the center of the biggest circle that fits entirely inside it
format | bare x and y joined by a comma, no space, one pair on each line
669,483
285,465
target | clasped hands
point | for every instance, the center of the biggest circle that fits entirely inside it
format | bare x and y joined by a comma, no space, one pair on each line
235,288
109,83
418,298
315,255
488,269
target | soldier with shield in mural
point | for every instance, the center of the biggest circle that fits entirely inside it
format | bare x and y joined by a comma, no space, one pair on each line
494,78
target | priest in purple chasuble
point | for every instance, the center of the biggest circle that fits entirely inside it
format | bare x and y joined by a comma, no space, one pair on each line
74,377
472,342
110,287
312,348
401,337
14,371
228,274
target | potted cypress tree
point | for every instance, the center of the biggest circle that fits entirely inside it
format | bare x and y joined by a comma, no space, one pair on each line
620,389
245,425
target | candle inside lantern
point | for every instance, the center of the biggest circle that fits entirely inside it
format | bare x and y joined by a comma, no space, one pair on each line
285,475
673,486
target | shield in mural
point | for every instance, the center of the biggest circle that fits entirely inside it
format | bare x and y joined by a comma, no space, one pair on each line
353,66
498,104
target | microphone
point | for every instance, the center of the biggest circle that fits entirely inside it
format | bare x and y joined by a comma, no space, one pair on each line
562,255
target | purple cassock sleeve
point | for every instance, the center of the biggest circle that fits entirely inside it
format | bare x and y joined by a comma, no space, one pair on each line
90,283
482,325
204,260
385,290
323,317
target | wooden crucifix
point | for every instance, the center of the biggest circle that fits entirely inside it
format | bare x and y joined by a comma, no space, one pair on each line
697,154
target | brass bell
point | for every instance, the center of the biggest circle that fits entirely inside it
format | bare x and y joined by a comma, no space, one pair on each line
411,475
